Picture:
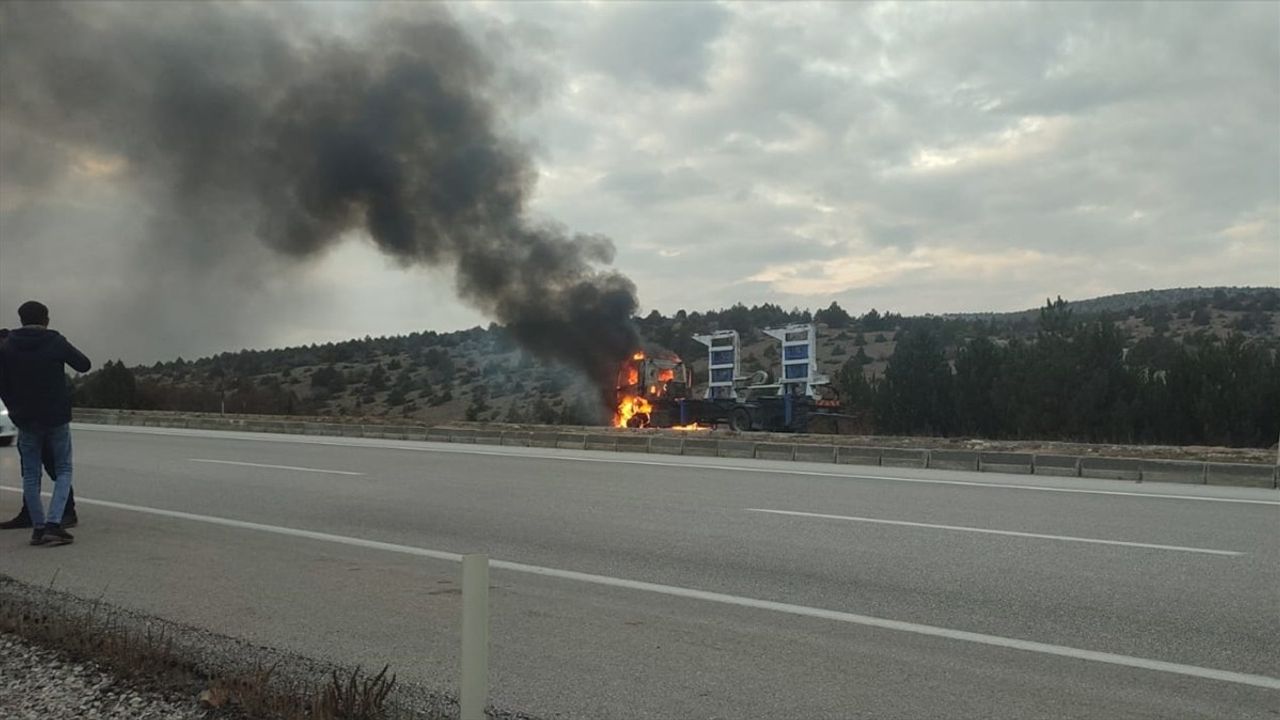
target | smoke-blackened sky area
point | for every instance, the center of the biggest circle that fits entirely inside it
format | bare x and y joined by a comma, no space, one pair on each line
243,142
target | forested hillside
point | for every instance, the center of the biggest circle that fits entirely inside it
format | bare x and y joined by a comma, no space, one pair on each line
1183,366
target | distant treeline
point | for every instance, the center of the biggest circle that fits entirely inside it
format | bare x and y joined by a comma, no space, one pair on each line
1053,374
1075,381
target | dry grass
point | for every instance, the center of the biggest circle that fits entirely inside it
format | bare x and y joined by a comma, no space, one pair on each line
150,659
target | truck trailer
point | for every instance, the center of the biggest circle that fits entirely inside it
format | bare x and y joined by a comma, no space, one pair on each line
656,388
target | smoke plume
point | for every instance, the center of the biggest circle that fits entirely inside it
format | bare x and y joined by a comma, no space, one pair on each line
249,122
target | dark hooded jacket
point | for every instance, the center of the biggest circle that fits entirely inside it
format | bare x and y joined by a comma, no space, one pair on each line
33,382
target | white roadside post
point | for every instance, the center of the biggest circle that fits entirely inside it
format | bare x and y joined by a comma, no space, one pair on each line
473,695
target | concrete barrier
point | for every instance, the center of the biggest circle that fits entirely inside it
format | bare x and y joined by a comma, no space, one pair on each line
775,451
440,434
633,443
488,437
701,447
815,453
1016,463
666,445
1111,468
851,455
1056,465
735,448
352,431
541,439
953,460
516,438
904,457
571,441
1178,471
462,435
607,442
1240,474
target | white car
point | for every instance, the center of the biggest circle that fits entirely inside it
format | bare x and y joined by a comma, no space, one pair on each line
8,431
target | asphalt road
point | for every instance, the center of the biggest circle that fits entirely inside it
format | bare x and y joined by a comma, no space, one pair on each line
641,586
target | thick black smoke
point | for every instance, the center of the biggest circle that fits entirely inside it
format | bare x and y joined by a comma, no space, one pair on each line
240,122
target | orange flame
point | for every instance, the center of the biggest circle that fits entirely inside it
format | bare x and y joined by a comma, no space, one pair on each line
629,407
638,356
690,426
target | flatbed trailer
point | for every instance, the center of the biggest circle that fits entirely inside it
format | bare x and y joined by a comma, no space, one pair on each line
788,413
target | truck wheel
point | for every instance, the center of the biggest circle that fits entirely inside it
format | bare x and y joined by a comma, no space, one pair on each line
740,419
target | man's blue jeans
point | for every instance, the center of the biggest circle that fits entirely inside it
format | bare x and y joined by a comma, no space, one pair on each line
30,440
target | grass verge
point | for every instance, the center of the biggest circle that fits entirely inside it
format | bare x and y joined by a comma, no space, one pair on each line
227,678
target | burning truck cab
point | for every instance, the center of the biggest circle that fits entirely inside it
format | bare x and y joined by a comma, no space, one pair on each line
650,385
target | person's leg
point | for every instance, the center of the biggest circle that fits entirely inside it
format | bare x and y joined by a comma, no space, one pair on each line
29,442
69,516
59,440
47,458
21,520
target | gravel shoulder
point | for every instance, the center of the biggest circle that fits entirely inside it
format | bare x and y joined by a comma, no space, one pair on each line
64,656
38,684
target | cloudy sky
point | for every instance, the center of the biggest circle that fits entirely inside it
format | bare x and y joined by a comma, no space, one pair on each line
911,157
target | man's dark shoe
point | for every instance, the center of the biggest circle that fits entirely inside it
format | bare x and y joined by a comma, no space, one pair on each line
38,537
19,521
56,535
70,520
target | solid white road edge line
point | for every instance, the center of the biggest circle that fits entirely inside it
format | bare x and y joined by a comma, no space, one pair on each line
1261,681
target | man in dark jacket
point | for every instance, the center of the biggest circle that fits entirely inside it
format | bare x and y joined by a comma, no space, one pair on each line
33,386
23,519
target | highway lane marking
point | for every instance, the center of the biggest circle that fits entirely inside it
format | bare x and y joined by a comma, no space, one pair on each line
1261,681
275,467
427,447
988,531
